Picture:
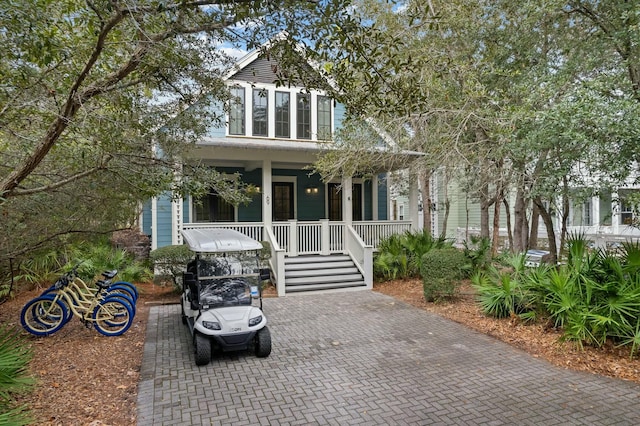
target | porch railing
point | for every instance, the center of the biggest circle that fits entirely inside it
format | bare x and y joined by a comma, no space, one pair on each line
361,254
312,237
276,260
254,230
372,232
303,238
606,237
323,237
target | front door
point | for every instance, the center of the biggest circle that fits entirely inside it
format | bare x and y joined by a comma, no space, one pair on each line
282,201
335,201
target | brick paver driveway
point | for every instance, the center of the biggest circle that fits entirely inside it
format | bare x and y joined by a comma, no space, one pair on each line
365,358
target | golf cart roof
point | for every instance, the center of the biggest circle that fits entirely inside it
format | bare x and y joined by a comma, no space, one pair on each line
218,240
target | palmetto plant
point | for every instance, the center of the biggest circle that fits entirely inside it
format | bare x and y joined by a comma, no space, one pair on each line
392,260
15,356
561,296
631,257
632,339
400,255
501,293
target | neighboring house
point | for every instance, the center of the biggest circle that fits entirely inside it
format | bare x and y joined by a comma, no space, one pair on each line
321,235
606,219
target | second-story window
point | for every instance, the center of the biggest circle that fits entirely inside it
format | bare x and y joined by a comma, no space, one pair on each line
260,112
303,111
324,118
236,111
282,121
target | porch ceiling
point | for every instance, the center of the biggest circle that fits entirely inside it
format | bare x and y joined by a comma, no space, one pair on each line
249,153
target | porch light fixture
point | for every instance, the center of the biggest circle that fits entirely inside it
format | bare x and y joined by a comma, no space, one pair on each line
311,190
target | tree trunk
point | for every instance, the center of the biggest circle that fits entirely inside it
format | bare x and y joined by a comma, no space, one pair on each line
447,207
485,203
519,210
427,212
565,214
495,238
535,224
508,219
551,234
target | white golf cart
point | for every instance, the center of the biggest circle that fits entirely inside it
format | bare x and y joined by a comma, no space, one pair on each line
222,293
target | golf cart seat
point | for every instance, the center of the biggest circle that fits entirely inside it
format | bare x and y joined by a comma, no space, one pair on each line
225,292
190,286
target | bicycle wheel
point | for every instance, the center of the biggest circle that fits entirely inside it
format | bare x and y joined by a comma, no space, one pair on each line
44,315
125,299
112,317
129,285
119,289
48,313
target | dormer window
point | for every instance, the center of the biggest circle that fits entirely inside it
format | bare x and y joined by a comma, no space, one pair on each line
283,120
267,111
260,112
324,118
236,111
303,113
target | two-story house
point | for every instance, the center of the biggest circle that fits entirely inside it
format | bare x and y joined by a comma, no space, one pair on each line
321,234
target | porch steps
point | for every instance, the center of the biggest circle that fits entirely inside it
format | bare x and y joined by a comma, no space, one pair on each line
317,273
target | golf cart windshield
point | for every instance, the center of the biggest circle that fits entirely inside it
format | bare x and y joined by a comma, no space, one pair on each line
226,279
239,264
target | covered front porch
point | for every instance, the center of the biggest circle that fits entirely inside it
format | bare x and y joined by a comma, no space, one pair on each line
321,234
317,243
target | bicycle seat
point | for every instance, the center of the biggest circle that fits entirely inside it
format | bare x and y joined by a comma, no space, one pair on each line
109,274
103,283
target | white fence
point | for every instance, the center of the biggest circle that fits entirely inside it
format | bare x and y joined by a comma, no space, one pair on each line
605,237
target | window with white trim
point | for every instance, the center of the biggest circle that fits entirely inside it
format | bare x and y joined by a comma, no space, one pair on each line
279,113
324,118
236,111
626,212
282,115
303,116
260,112
213,208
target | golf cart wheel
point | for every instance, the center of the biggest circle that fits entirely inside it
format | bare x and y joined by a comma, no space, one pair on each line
202,349
184,316
263,343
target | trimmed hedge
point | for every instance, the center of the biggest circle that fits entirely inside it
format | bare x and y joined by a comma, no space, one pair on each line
440,271
171,261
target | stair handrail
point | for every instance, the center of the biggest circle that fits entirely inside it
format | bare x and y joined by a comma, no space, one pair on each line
276,261
361,254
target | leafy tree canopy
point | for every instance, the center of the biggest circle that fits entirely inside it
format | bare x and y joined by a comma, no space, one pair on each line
101,100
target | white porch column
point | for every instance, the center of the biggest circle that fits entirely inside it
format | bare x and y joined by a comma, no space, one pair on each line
347,202
595,211
267,196
293,238
615,213
176,221
154,223
374,197
414,198
325,246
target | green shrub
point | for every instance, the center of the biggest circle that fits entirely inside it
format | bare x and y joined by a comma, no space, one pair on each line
15,356
593,298
172,261
441,269
265,253
96,258
400,255
478,251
